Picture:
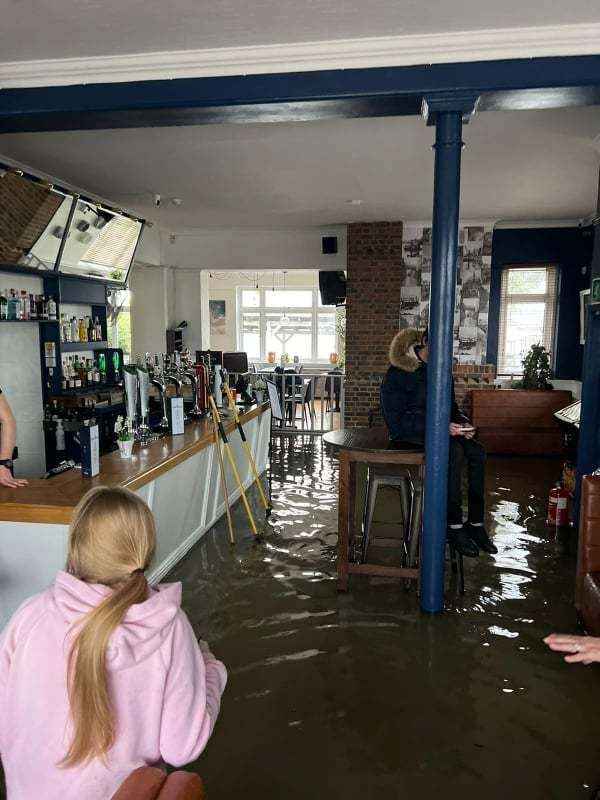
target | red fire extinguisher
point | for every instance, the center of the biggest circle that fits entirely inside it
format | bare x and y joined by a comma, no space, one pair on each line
558,512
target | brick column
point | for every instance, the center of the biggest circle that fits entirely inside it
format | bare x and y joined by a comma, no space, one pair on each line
374,277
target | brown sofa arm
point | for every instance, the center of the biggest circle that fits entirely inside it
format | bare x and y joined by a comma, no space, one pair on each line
182,786
588,553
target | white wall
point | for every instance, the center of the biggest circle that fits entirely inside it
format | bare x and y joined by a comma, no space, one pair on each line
163,297
236,248
21,382
152,308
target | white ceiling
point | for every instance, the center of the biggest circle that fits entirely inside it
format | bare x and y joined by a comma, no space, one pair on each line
43,29
519,165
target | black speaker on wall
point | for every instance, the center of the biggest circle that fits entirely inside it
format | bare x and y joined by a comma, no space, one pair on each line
329,245
332,286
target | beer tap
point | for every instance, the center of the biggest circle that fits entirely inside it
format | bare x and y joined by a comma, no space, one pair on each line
158,382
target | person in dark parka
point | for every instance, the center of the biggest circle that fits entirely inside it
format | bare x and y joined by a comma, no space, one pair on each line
403,401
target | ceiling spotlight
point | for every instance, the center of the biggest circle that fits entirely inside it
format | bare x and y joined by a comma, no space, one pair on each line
177,201
354,202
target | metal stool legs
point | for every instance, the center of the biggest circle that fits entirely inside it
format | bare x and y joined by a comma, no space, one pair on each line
374,481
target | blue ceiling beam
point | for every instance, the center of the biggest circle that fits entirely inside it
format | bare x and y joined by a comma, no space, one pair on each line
387,91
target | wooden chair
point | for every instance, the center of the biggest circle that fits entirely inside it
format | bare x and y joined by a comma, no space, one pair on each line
151,783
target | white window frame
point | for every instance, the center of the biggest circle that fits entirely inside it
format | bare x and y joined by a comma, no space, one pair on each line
550,297
263,310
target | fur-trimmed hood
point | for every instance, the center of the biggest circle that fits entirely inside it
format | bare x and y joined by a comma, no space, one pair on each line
402,350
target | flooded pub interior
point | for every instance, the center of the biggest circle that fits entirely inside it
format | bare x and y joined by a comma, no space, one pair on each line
300,400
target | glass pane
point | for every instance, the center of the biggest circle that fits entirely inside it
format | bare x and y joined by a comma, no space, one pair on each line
250,298
251,335
527,281
524,327
325,336
291,334
32,221
100,243
288,298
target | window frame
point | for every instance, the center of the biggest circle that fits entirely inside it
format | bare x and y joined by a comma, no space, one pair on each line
550,343
315,310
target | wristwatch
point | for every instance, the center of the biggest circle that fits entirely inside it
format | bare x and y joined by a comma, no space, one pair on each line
6,462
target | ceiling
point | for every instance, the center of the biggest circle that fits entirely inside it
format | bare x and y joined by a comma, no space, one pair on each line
519,165
42,29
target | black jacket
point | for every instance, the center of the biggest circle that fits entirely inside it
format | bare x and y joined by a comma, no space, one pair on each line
404,391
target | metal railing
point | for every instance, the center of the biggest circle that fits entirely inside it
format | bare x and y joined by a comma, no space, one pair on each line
310,404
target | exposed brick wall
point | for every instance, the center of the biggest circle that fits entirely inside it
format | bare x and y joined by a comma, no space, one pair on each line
468,377
374,278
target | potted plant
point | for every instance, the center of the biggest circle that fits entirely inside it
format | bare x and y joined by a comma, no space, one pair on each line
124,431
259,389
536,369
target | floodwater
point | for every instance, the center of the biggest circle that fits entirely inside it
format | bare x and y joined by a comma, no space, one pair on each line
360,695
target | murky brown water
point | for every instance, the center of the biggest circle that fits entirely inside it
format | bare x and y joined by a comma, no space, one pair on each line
360,695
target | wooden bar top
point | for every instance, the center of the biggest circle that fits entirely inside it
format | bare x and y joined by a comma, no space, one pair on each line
53,500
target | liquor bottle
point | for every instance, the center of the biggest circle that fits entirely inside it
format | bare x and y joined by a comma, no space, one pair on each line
96,373
91,331
102,367
51,308
39,304
89,371
32,307
13,306
65,380
3,305
77,373
82,331
24,301
98,329
74,330
116,360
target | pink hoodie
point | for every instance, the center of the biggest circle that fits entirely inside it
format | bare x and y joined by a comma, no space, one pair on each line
166,692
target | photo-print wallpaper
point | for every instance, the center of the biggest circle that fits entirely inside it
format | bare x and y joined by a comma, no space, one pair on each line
472,292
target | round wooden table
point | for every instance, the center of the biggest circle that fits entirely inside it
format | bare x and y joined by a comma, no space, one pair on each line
366,446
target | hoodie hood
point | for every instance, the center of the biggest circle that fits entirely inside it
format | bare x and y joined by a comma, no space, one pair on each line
402,350
144,627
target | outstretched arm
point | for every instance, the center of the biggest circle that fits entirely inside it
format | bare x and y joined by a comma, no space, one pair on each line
8,437
580,649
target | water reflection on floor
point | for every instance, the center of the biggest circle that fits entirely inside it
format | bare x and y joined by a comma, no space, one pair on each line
360,695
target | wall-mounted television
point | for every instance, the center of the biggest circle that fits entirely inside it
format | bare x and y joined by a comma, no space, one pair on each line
332,286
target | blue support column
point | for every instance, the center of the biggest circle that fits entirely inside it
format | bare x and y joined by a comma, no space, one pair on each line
446,198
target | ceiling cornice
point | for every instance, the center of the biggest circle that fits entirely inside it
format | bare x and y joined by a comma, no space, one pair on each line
384,51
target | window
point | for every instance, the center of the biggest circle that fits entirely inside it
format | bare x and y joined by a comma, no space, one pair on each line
288,321
119,322
527,314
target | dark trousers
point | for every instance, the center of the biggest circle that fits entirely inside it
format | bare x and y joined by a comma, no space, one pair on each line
470,454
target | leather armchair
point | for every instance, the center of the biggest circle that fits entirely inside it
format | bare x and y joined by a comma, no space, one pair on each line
151,783
587,591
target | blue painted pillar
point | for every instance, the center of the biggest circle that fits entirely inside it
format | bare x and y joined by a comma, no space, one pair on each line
446,198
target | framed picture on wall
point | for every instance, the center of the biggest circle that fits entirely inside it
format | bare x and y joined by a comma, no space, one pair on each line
217,317
584,304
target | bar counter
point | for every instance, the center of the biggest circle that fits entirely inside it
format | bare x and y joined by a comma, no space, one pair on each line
177,476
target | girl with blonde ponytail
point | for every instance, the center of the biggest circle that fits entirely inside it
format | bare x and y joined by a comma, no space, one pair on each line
102,673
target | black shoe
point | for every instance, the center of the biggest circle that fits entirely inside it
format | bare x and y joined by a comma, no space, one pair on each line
479,535
462,542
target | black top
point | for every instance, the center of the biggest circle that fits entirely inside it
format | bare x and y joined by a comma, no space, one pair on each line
403,400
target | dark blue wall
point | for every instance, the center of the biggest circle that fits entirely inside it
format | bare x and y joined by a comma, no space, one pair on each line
570,249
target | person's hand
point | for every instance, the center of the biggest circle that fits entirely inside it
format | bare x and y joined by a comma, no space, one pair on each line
581,649
456,430
7,480
469,434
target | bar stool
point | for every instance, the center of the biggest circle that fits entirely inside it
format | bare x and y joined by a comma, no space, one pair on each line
411,504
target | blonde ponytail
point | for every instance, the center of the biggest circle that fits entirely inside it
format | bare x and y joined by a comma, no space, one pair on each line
112,541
